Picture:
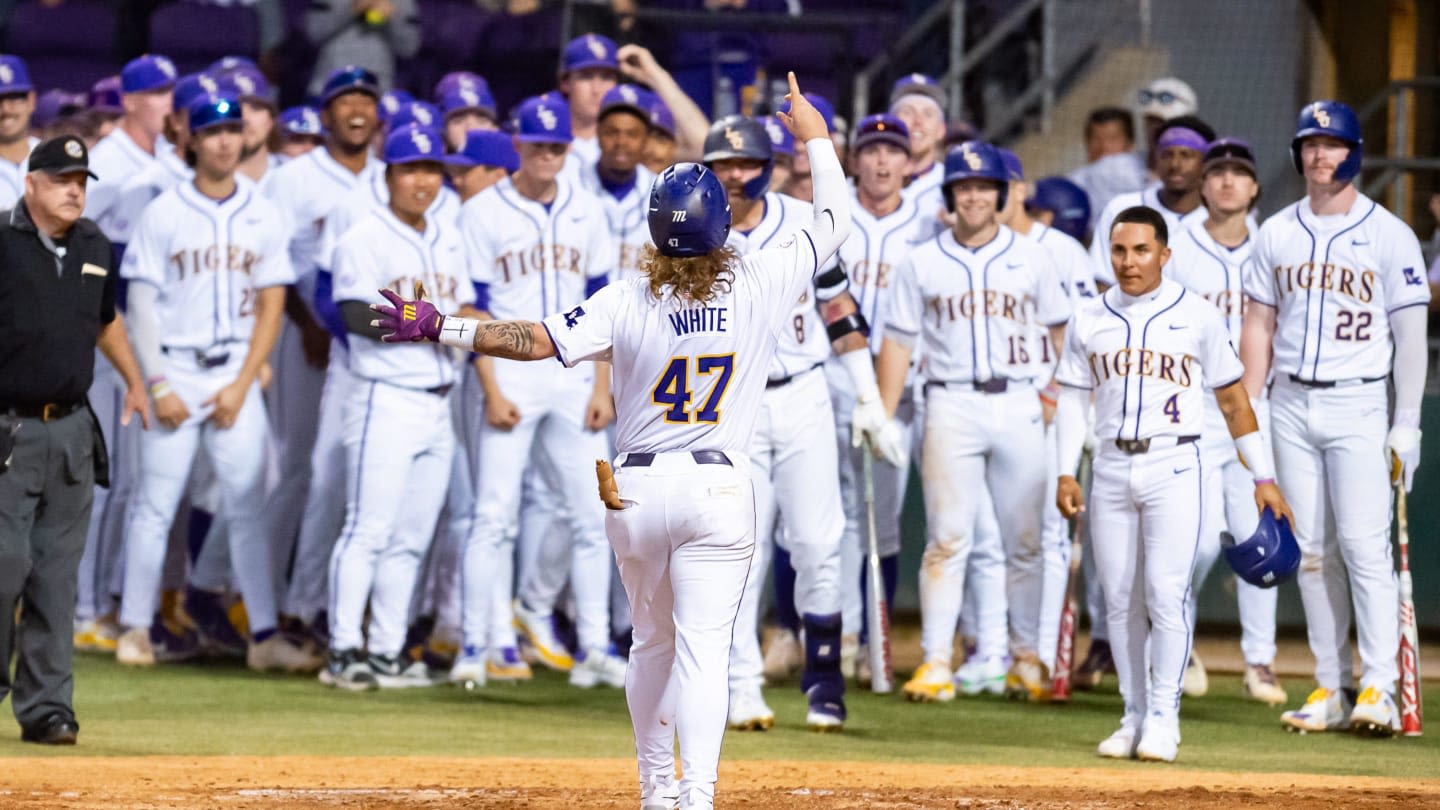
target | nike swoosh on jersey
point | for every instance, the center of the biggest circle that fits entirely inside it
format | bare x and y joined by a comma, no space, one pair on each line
1181,470
1174,328
1009,266
1359,242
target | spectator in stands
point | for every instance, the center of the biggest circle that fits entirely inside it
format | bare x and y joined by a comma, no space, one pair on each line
368,33
1114,168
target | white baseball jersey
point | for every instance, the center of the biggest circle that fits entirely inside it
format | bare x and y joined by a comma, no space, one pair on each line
1150,198
627,215
307,189
362,200
165,172
208,258
805,344
1151,361
1334,282
1072,264
875,247
675,363
925,190
381,251
12,177
530,260
114,160
972,311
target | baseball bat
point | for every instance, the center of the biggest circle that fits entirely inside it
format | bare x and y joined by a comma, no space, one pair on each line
882,677
1070,614
1410,724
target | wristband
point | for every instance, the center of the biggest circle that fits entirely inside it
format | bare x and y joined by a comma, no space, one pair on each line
160,389
1264,481
861,368
459,332
1255,455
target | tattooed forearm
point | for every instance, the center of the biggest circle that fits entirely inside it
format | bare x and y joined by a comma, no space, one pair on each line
513,340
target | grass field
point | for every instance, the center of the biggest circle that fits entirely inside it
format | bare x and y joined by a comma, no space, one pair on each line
221,709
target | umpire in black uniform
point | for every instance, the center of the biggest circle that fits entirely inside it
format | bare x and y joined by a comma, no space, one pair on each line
57,305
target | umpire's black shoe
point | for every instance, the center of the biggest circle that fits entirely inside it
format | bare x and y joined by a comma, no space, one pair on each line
57,728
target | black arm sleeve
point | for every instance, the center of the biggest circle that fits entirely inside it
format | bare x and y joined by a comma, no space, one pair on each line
357,317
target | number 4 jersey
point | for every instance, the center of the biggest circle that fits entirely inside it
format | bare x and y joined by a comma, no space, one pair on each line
1334,281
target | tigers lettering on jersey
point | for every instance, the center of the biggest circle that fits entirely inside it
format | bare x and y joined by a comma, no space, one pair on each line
516,263
1356,284
991,304
1129,362
213,259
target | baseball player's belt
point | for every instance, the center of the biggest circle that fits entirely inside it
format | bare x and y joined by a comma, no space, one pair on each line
787,380
45,413
204,358
996,385
700,456
1295,378
1135,446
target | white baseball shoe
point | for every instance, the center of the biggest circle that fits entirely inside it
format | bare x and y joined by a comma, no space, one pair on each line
1160,739
981,676
597,667
133,648
1261,685
659,793
538,630
932,683
697,799
1375,714
470,668
1121,744
748,712
1196,681
784,656
1324,710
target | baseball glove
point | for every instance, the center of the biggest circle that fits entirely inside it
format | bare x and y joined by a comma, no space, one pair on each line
609,491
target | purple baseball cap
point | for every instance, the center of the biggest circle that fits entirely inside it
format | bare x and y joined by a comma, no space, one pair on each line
104,96
412,143
14,76
1012,163
882,128
781,141
421,113
52,105
589,51
302,121
391,102
625,98
543,119
917,84
1229,152
225,64
468,97
247,84
487,147
193,86
349,79
209,111
459,78
823,106
146,73
660,116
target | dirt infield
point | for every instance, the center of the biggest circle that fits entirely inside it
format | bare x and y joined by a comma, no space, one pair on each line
265,783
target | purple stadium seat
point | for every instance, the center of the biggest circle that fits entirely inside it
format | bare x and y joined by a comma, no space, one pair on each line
520,54
70,45
195,34
452,34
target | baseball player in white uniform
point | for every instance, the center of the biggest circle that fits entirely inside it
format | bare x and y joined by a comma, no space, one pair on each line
398,432
208,269
796,469
1208,258
919,101
691,355
465,101
17,103
537,244
588,70
1150,351
1336,304
968,299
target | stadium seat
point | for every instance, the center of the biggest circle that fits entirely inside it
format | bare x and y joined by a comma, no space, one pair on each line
452,35
69,45
195,34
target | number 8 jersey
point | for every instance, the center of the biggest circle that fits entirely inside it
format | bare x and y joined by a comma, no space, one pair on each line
1333,282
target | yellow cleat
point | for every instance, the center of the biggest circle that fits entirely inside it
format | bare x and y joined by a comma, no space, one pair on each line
931,683
1028,679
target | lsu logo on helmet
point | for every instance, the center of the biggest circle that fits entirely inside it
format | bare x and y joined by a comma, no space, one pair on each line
972,160
737,141
1322,116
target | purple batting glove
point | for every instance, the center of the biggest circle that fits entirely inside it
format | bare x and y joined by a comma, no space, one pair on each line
407,321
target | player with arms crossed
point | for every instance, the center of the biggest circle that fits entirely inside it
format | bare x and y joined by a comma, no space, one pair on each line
1149,350
703,322
1336,304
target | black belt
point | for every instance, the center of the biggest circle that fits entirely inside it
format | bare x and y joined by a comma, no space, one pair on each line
1135,446
45,413
1295,378
202,359
786,380
439,390
700,456
995,385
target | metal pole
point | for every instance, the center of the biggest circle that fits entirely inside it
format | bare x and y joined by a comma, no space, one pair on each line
1144,23
1047,62
957,52
566,22
1398,149
862,96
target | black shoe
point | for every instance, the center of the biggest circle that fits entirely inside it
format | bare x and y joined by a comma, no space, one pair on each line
57,728
1097,664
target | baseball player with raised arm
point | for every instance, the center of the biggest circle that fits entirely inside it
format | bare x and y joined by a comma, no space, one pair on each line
1336,304
208,268
692,341
968,299
1208,258
398,432
537,243
796,469
1151,352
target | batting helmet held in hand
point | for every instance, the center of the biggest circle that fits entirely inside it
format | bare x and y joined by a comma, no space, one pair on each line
689,211
736,137
1067,201
1337,120
975,160
1269,557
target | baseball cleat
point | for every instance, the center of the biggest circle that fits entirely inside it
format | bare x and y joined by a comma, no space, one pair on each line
697,799
348,670
217,635
849,655
1324,710
1097,664
1196,681
133,648
538,630
1375,714
826,698
279,654
981,675
824,719
170,641
470,669
1121,744
598,667
1261,685
659,793
97,635
398,672
1028,679
505,664
932,683
784,656
1160,740
748,712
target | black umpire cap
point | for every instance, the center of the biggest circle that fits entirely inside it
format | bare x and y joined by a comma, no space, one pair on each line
61,155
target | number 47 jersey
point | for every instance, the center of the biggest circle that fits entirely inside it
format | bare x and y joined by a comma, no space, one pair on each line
689,375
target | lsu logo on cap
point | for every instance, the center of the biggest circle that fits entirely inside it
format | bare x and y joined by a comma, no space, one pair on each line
166,66
597,48
423,116
73,148
208,83
468,95
737,141
6,74
422,143
628,93
546,116
245,83
1322,116
971,159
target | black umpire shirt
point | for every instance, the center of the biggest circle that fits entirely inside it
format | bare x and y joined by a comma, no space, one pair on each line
55,297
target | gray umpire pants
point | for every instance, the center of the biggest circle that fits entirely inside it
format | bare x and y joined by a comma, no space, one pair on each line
45,498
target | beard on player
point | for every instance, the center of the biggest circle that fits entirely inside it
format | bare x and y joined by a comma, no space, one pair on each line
693,280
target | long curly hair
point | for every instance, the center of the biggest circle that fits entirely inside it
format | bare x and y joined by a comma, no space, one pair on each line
694,280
